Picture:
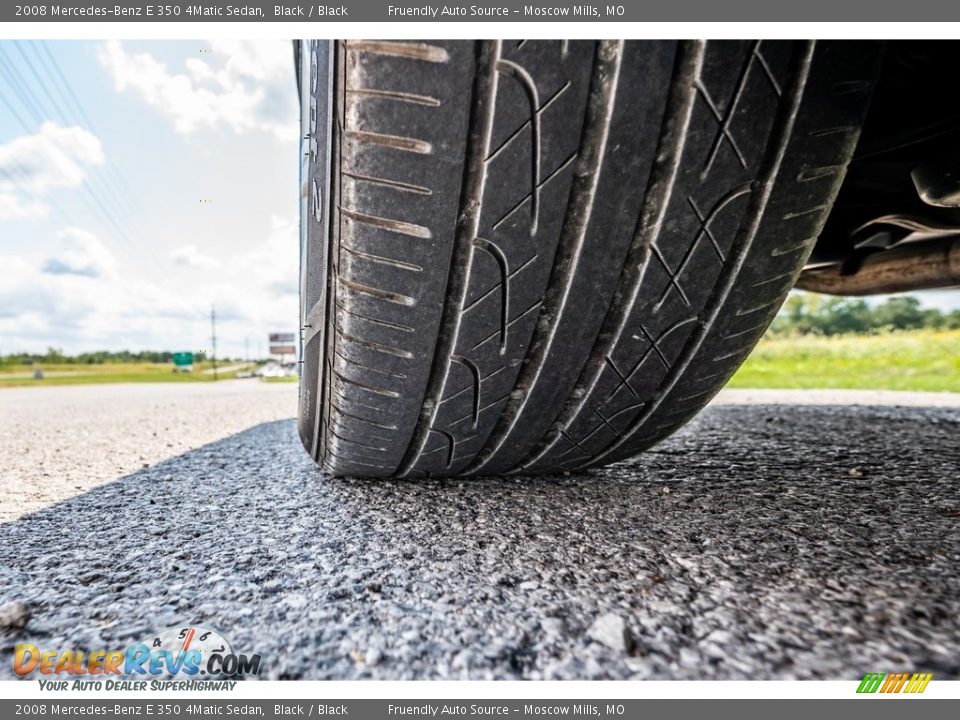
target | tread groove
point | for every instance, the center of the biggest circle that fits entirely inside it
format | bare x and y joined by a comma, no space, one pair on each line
497,254
379,293
475,174
379,347
369,388
605,78
546,104
421,147
475,374
385,182
396,95
364,420
397,226
537,188
519,317
489,292
380,259
726,282
670,148
377,321
354,363
414,51
519,72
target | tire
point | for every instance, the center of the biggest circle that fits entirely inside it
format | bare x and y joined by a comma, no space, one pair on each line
546,256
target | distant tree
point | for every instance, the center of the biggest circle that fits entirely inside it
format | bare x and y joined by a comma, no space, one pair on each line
810,313
794,313
54,355
903,313
838,316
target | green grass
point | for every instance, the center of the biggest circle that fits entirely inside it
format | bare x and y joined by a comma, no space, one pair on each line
924,360
79,374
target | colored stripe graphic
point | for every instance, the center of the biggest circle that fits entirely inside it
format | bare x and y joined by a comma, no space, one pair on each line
870,683
918,683
894,682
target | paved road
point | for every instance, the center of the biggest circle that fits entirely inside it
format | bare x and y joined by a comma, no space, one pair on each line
772,540
58,441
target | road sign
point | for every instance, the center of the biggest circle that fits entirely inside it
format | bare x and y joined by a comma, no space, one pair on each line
183,359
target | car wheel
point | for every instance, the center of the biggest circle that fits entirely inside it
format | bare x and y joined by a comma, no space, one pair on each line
531,256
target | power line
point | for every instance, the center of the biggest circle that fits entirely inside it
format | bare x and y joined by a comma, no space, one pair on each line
26,100
92,201
78,106
67,90
22,180
19,90
57,107
41,85
13,111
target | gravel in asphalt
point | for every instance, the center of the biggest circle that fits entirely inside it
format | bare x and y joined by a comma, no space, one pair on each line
761,541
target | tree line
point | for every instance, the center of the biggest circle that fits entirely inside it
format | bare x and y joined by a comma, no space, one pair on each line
57,356
813,314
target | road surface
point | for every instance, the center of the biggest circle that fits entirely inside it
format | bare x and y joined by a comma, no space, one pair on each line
780,535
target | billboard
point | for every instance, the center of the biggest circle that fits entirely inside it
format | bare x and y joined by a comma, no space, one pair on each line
283,349
282,338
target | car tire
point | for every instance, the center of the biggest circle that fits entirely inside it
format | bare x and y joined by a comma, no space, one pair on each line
532,256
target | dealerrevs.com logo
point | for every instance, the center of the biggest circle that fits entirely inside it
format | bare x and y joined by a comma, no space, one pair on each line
190,651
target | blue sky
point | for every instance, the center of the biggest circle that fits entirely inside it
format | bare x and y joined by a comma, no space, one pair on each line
139,183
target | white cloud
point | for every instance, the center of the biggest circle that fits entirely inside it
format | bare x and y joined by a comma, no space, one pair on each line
13,206
275,261
78,299
83,255
33,165
80,311
245,85
259,289
189,256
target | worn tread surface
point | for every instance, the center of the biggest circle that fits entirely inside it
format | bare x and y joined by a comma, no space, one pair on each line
550,255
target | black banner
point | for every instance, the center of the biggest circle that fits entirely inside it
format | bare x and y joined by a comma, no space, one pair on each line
483,11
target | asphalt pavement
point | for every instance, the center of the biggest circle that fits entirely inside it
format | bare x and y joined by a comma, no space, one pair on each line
780,535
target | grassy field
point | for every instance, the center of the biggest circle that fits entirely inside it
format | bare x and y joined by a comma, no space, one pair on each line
925,360
77,374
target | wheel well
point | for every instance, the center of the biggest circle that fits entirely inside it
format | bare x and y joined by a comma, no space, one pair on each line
902,189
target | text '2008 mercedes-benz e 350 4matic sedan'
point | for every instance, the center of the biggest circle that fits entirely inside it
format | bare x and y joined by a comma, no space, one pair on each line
531,256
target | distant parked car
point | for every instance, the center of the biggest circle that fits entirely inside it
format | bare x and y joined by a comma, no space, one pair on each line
272,370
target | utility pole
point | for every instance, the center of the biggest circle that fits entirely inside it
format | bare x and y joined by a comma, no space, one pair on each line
246,349
213,338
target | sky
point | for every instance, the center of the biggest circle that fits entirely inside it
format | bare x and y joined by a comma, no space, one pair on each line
142,183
